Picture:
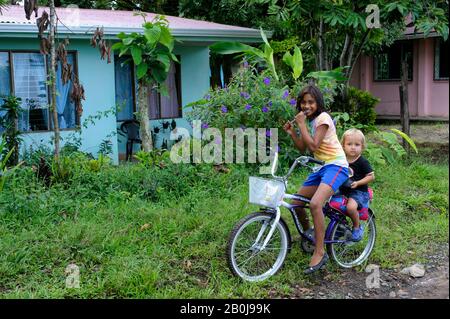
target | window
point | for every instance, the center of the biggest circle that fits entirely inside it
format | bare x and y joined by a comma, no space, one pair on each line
159,106
29,84
67,117
5,80
29,72
162,107
124,89
387,65
441,59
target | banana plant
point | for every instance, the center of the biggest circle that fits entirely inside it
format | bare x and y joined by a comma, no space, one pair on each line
295,62
232,47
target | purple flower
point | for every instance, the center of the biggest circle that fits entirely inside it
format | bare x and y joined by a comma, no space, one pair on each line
285,95
265,109
270,103
245,64
224,109
268,133
218,141
248,107
207,97
293,102
245,95
266,81
205,125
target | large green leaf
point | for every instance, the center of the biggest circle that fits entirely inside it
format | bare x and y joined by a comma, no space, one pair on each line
166,38
121,35
142,70
164,58
226,47
263,36
128,41
136,53
335,74
117,46
123,50
159,72
153,34
295,62
407,138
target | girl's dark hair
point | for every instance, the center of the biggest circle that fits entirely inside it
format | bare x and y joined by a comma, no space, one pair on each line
315,92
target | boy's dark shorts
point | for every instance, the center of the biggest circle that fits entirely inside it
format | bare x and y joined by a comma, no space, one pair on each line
360,197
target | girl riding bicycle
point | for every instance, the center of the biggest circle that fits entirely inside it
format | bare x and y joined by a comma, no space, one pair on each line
318,135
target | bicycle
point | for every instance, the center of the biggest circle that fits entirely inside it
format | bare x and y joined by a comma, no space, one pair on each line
259,243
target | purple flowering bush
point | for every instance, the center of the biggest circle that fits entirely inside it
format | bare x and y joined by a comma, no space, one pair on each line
250,100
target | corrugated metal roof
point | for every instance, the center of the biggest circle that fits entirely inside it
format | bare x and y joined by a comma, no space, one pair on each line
77,20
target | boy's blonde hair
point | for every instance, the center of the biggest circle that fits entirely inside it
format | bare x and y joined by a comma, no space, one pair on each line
354,131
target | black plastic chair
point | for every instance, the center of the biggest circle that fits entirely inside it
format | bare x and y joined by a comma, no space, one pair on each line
131,130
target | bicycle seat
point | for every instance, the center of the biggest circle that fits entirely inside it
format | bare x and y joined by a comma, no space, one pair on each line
339,203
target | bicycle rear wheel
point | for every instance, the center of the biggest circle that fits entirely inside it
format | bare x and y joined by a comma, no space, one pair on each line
244,254
350,254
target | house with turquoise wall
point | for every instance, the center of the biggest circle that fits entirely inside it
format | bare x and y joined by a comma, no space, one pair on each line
108,86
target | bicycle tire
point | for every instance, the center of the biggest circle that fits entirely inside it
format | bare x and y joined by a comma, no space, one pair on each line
370,233
284,240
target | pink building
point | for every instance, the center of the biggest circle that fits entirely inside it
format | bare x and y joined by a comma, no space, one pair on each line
428,87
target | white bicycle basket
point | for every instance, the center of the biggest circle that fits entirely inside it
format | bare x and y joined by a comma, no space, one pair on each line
265,192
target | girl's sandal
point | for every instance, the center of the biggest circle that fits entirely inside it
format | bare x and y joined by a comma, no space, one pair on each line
317,267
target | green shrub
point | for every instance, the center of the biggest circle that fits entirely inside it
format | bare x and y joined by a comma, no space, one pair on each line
251,100
387,148
360,105
11,133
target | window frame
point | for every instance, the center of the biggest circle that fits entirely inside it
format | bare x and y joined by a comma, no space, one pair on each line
374,79
437,42
177,80
179,90
12,91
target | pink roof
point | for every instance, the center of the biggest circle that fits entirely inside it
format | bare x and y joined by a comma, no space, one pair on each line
111,18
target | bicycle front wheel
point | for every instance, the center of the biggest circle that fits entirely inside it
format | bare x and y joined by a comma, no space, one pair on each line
245,255
350,254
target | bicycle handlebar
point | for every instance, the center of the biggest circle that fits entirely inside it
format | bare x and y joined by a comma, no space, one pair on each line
313,160
302,160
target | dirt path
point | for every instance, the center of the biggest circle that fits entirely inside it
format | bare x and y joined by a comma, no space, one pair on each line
424,133
351,284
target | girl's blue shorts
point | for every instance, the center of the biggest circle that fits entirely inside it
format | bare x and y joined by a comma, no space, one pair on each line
332,175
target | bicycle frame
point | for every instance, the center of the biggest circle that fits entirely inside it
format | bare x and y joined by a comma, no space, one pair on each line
333,215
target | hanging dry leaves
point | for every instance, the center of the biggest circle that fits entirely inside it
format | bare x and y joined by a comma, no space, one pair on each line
42,23
45,45
61,55
97,39
30,6
77,95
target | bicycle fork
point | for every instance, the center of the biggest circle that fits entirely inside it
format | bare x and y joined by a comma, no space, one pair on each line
269,235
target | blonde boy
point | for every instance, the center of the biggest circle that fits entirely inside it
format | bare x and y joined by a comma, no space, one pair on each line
354,143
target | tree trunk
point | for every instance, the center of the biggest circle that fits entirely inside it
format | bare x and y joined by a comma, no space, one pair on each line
344,51
351,62
404,108
53,78
320,44
144,122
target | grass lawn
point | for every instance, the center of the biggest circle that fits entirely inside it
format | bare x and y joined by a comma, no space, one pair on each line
128,247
